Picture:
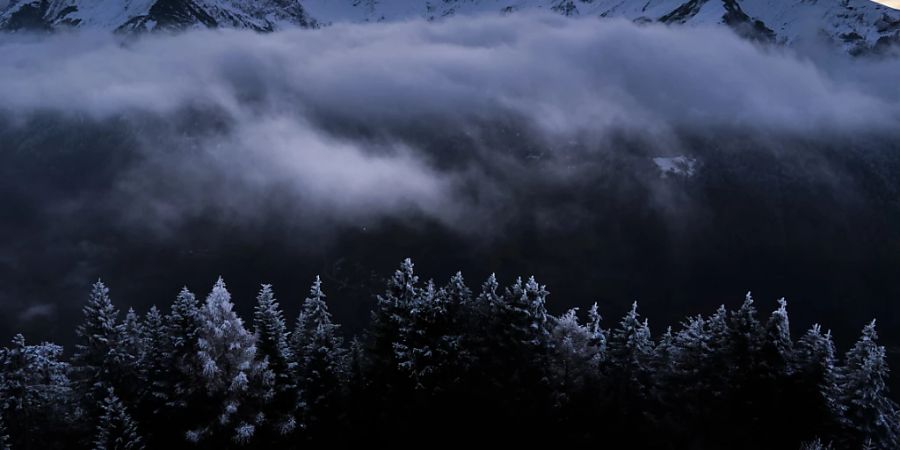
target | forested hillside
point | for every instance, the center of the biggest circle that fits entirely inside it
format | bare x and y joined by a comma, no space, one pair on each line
441,363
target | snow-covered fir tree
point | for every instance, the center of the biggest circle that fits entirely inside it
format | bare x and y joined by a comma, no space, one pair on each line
429,349
183,327
232,377
134,372
322,366
598,334
101,359
390,316
817,382
272,346
863,383
35,393
116,430
745,336
133,336
777,346
630,350
576,357
156,358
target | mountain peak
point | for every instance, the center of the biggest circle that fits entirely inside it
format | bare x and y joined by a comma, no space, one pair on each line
144,15
858,26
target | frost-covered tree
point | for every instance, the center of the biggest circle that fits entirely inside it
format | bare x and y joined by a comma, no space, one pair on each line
817,391
777,347
133,336
271,333
863,383
153,409
715,363
322,367
630,372
272,346
35,394
575,357
597,333
514,343
183,326
815,444
116,430
745,337
229,371
631,350
429,349
156,358
690,386
390,316
101,359
134,371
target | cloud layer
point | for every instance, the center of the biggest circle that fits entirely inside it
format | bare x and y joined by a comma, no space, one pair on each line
469,125
326,115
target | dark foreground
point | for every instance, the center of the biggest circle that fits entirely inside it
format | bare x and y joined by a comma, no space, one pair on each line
441,363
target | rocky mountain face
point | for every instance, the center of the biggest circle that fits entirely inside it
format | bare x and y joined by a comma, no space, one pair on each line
145,15
858,26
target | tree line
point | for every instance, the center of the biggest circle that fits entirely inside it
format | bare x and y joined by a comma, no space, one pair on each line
441,364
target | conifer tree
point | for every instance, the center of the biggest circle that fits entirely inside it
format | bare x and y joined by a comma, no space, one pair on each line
153,411
115,429
134,370
322,369
430,349
575,358
777,347
597,333
271,333
715,361
631,350
391,314
745,337
133,336
101,359
272,346
231,375
871,413
35,392
630,372
818,392
156,359
183,326
518,338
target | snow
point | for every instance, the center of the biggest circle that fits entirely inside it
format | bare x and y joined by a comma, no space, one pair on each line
791,20
852,24
676,165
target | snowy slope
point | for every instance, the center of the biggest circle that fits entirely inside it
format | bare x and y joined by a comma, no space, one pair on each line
856,25
262,15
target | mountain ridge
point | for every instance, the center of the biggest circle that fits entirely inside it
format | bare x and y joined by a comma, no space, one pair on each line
857,26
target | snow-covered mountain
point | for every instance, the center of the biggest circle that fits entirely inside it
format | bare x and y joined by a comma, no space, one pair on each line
126,15
856,25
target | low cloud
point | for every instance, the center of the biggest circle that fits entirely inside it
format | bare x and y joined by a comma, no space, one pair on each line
331,116
151,150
